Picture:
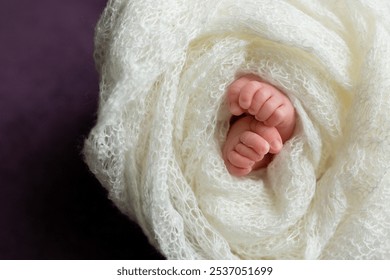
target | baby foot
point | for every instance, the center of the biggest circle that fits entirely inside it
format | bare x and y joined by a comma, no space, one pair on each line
248,94
249,146
268,121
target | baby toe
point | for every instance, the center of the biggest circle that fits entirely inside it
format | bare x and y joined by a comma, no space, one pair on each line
238,171
269,135
248,152
239,160
256,142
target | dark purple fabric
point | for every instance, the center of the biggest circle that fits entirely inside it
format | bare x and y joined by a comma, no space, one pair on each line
51,207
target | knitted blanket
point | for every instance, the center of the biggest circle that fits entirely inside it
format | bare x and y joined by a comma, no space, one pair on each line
163,118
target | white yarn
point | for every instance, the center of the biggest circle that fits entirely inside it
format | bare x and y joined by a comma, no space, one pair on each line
163,119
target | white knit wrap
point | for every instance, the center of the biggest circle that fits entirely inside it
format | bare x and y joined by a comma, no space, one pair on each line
163,119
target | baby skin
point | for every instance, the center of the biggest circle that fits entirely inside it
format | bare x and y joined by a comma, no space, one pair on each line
265,120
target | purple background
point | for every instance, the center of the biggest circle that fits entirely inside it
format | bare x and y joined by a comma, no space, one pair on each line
51,207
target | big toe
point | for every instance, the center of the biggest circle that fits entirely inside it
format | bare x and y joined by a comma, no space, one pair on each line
269,134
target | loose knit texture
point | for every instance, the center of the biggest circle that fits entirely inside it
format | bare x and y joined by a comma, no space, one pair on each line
163,119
